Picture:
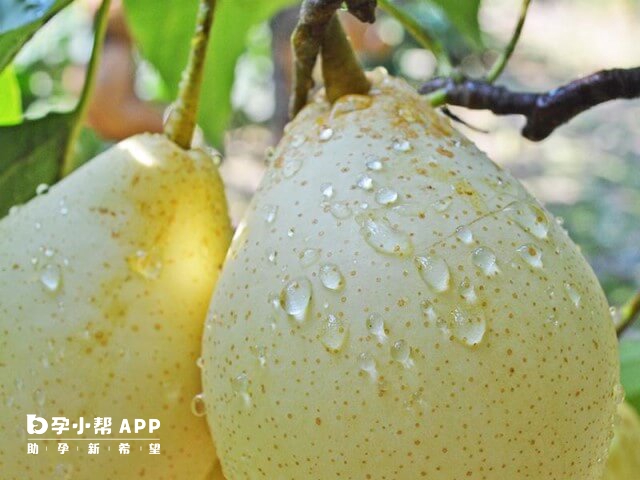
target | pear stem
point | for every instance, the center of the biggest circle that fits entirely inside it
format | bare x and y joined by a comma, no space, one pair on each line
629,312
100,26
182,118
316,17
341,70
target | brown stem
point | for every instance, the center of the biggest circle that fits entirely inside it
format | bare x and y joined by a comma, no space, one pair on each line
308,37
629,312
341,70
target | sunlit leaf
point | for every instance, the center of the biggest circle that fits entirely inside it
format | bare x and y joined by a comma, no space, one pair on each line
19,20
10,101
464,15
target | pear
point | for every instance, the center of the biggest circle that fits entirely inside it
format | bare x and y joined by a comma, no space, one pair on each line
395,306
104,286
624,454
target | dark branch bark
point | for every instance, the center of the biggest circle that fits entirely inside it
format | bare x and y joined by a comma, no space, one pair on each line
307,38
544,111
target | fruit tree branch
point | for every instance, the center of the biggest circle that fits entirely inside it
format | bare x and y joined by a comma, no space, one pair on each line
544,111
308,37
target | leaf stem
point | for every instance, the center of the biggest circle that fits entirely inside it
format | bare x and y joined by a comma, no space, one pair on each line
420,34
101,23
629,312
500,64
183,115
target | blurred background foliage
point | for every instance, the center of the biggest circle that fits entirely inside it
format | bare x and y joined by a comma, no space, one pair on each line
586,172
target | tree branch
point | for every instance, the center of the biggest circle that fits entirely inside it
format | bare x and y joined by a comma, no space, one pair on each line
544,111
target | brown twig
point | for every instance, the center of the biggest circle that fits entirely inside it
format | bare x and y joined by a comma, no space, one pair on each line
544,111
308,37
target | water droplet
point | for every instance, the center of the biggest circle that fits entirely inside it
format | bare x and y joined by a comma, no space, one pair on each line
464,234
51,277
272,256
375,326
64,210
295,298
573,293
39,397
350,103
340,210
434,271
615,315
552,321
381,236
368,365
200,362
331,277
466,328
531,254
37,226
386,196
401,353
309,256
48,252
365,182
485,260
260,353
530,217
401,145
325,134
291,232
559,221
326,189
373,163
42,189
333,333
291,166
148,265
467,291
198,407
442,204
240,386
298,141
428,311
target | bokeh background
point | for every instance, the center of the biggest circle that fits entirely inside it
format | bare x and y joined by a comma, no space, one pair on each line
587,172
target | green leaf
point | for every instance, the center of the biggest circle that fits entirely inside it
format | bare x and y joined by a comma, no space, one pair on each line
19,20
630,370
163,31
464,15
32,153
10,100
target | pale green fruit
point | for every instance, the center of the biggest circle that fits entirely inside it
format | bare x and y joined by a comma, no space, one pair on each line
104,286
395,306
624,454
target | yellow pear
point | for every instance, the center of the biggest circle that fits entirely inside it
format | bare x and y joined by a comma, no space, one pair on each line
624,454
395,306
104,287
